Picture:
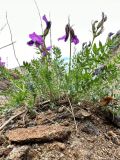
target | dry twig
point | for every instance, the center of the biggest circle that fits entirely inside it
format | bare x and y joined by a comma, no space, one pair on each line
10,119
1,29
39,15
7,45
12,41
72,112
43,103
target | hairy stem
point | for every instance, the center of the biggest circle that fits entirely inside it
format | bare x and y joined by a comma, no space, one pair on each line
70,57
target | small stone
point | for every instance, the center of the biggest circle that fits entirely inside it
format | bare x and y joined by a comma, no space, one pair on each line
82,114
3,86
10,146
89,128
114,137
59,146
18,153
66,123
7,151
115,140
1,140
111,133
61,109
1,151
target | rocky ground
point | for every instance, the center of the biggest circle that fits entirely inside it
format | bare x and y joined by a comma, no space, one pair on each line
69,132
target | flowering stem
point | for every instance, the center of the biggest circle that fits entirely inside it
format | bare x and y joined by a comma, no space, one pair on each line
92,41
70,57
50,32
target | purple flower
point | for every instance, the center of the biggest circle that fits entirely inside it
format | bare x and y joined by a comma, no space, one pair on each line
69,31
75,40
45,50
110,34
49,48
45,19
48,23
35,39
62,38
2,64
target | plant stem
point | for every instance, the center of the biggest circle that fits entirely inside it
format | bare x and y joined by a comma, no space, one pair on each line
70,47
11,118
50,32
92,41
70,56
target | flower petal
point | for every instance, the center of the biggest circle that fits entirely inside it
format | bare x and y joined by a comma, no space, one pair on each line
45,19
36,38
2,64
30,43
75,40
49,48
110,34
44,54
62,38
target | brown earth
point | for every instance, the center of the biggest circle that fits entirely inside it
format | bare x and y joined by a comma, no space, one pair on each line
92,137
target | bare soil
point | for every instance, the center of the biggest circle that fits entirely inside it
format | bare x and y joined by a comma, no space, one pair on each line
93,137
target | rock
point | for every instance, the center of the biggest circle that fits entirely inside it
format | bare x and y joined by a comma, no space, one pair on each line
89,128
66,123
82,114
58,146
18,153
3,100
1,151
42,133
114,137
3,86
7,151
111,133
4,151
61,109
2,139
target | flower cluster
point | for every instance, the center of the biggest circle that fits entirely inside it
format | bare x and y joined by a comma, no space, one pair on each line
2,64
69,32
35,39
39,40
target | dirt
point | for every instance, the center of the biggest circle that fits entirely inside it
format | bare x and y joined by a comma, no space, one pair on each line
93,137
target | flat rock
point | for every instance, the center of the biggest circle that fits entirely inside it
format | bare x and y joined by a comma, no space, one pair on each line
41,133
